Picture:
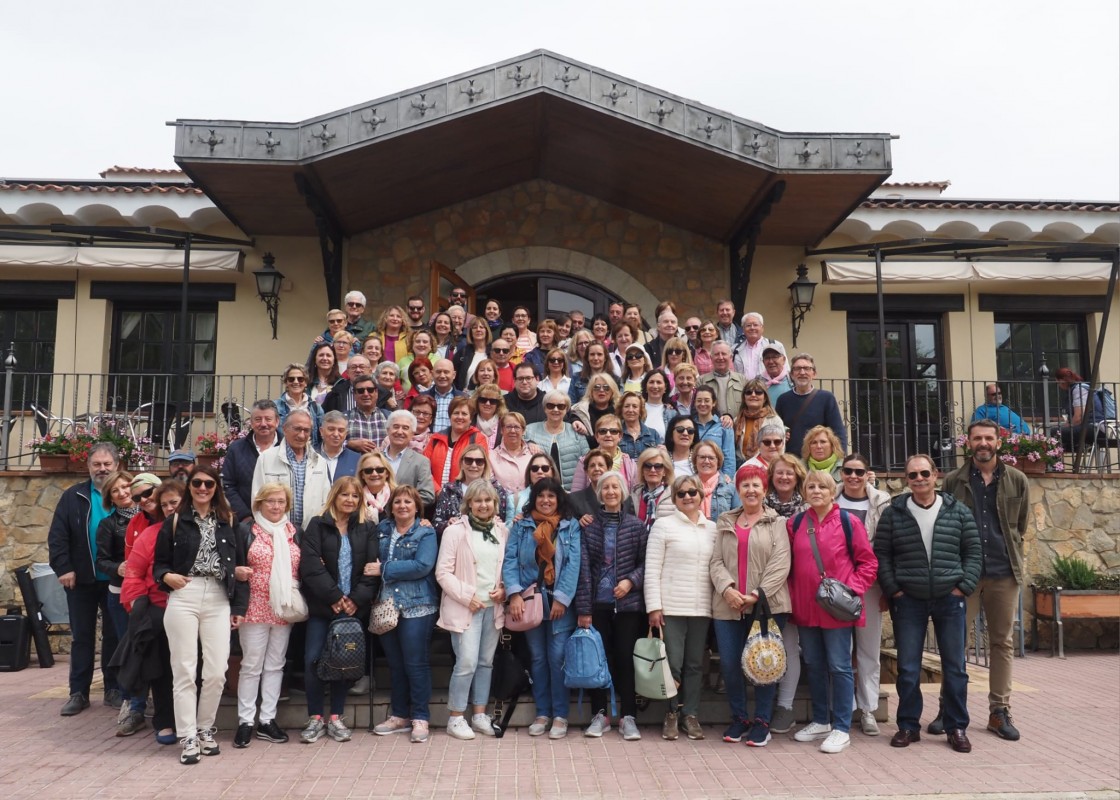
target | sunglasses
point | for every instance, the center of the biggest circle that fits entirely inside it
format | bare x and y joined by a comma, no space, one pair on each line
540,468
635,357
683,493
416,308
294,379
674,351
473,462
692,327
365,390
355,305
653,467
859,473
609,431
772,442
684,429
748,392
502,350
458,296
144,495
555,361
925,473
601,387
199,483
374,471
555,406
336,321
489,401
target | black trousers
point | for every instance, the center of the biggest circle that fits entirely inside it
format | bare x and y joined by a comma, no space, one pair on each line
619,631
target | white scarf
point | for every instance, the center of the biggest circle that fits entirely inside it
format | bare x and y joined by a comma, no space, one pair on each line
283,591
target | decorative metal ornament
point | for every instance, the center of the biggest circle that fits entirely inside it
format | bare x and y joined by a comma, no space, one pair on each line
517,76
661,111
423,106
211,141
567,76
373,120
859,154
324,136
470,91
615,94
269,143
756,143
708,128
804,154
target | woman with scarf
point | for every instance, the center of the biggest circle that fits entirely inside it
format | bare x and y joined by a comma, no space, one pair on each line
822,451
419,379
488,406
469,570
755,412
718,493
295,396
323,365
611,578
378,482
473,465
544,552
608,434
709,428
424,409
651,496
272,549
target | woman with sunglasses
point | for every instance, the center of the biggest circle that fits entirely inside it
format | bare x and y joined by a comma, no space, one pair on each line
702,355
680,439
600,398
719,490
467,358
755,411
709,428
636,435
157,505
323,365
445,346
395,335
595,362
422,346
611,578
771,444
859,497
336,550
469,570
295,396
557,437
197,551
678,595
655,388
488,405
510,458
822,451
424,409
378,483
555,372
473,465
826,642
406,564
544,551
446,447
635,367
651,497
272,547
540,466
608,434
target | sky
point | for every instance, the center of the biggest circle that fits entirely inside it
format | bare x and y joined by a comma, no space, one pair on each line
1004,99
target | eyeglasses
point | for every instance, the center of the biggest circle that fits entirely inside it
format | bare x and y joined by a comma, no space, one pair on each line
555,406
540,468
601,387
684,429
512,427
802,369
488,401
355,305
692,327
771,442
753,392
925,473
859,473
419,414
459,295
367,471
555,361
473,462
608,431
706,458
144,495
199,483
295,379
683,493
635,357
501,350
674,351
336,321
365,390
416,308
526,377
653,467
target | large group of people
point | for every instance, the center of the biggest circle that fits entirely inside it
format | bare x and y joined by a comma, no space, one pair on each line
462,470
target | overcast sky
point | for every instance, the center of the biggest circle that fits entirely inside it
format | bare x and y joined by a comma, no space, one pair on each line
1005,99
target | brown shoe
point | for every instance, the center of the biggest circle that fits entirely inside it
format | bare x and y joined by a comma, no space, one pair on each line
904,737
692,727
958,740
999,723
669,727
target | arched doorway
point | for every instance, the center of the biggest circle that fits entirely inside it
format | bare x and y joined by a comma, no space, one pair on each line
545,294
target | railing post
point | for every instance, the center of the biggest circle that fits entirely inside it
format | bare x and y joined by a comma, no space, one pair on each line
1044,373
9,377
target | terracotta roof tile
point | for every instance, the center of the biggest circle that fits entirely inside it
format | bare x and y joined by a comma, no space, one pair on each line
99,188
988,205
942,185
140,171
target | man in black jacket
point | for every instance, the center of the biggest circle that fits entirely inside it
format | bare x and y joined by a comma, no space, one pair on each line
526,399
241,457
929,563
71,541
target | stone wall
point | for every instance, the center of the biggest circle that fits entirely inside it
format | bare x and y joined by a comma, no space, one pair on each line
667,261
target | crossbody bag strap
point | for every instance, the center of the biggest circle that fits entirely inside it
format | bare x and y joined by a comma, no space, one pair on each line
804,407
816,552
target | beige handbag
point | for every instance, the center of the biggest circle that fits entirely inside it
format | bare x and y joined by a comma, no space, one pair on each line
383,617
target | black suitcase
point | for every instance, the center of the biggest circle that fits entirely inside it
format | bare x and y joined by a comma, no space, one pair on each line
15,641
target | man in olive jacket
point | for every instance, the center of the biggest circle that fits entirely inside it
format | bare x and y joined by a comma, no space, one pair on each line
929,562
997,494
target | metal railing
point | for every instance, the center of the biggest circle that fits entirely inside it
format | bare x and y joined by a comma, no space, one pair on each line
885,420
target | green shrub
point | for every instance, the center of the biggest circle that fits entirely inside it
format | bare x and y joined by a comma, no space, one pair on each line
1070,572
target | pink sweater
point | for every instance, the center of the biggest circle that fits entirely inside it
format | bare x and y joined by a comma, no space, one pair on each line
804,577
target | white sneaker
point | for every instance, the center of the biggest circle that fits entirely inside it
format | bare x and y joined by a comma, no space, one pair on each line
481,723
868,724
539,726
559,728
599,725
836,741
628,727
459,728
812,732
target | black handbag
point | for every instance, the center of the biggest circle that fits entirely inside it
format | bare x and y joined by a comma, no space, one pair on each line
835,597
344,652
510,678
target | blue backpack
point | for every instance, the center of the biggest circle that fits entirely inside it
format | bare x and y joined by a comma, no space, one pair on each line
1104,405
585,663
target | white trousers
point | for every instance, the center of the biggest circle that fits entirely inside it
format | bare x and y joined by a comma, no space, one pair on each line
867,642
263,649
197,613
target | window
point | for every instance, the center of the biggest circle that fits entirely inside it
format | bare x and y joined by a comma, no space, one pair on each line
30,327
151,365
1020,345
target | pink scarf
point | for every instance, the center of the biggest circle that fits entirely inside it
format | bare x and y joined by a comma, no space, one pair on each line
709,489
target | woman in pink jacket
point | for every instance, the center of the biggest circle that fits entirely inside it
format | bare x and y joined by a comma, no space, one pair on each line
826,642
469,570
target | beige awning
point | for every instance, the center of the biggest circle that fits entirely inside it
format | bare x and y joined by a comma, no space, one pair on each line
926,271
58,255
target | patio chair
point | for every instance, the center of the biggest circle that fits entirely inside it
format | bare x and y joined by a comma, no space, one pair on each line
165,426
46,421
1107,438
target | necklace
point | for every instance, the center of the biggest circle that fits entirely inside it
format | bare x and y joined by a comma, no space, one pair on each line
923,506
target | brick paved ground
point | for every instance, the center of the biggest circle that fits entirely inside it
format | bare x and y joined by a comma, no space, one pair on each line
1069,712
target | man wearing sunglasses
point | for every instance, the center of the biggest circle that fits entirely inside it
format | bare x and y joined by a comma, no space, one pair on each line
501,351
341,395
526,399
930,558
365,422
356,323
417,317
179,465
998,495
294,463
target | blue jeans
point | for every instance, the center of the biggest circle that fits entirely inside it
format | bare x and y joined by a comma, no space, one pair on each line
119,618
474,661
731,637
83,601
408,650
828,658
546,645
910,617
315,637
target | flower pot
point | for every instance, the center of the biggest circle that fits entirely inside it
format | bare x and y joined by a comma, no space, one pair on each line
207,460
81,466
53,462
1031,467
1079,603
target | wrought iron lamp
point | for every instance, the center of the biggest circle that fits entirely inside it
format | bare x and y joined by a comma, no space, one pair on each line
801,293
268,287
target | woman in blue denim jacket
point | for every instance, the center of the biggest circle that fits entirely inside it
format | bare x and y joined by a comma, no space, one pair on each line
407,551
544,549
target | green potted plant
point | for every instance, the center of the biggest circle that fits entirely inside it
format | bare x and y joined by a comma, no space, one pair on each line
1034,453
53,451
1080,590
